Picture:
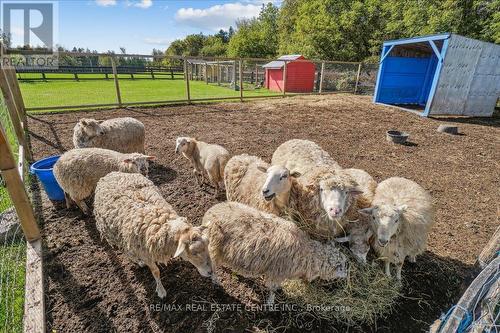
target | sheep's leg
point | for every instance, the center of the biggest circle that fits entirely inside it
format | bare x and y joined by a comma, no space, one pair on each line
69,201
387,268
83,206
272,292
160,290
412,259
399,267
215,277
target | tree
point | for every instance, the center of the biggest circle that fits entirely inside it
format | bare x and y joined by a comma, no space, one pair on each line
257,37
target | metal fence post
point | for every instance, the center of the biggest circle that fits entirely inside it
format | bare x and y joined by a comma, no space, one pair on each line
284,79
241,80
321,77
117,84
186,77
17,192
357,79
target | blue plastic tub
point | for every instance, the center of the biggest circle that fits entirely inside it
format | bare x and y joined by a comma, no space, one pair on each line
43,170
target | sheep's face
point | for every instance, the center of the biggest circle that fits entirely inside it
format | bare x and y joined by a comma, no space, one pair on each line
136,163
386,221
335,199
358,243
90,128
278,181
193,247
182,144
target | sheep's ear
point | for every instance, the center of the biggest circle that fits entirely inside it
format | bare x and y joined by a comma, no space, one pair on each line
84,122
180,249
369,233
261,168
343,239
150,158
402,208
295,174
366,211
355,191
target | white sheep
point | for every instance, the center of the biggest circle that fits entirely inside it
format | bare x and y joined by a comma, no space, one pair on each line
402,215
78,170
132,215
251,181
206,159
359,234
125,135
327,201
254,243
302,156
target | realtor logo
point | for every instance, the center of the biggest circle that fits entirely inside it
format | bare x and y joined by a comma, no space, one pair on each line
28,33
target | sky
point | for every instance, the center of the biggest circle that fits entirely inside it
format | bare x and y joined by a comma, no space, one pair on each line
140,25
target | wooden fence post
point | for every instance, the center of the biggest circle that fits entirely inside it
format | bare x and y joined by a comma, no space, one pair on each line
357,79
13,112
18,98
321,77
284,79
241,80
117,84
17,192
218,73
186,77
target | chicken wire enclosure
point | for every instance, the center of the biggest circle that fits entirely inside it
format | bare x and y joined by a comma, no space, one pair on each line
12,246
339,77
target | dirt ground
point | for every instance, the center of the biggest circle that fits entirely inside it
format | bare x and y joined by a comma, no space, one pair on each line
93,288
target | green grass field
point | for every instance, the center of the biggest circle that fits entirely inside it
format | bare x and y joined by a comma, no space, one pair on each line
53,93
12,276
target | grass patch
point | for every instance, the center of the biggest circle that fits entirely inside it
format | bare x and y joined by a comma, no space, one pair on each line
69,92
12,279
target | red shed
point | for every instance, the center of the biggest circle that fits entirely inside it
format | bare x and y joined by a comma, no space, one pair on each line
299,74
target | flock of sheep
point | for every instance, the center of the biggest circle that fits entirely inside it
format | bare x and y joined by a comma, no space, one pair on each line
281,221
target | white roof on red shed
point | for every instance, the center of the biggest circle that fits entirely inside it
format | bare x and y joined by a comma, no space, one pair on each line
281,61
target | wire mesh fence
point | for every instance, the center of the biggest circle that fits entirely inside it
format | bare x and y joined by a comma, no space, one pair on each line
12,248
97,80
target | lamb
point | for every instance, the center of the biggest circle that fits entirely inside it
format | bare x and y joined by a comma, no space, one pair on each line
402,214
302,156
125,135
359,235
78,170
254,243
206,159
132,215
251,181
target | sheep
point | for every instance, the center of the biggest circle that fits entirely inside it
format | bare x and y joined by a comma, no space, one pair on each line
254,243
206,159
359,235
327,201
125,135
77,171
402,215
359,231
251,181
133,216
302,156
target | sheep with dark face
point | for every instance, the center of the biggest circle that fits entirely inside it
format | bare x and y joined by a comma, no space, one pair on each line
251,181
125,135
132,215
402,215
207,160
77,171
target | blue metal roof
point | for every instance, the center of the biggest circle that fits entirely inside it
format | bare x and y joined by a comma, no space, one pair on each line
419,39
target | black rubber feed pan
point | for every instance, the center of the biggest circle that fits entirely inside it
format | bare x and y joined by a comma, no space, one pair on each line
397,136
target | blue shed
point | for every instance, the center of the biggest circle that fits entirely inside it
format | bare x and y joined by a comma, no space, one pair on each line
445,74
